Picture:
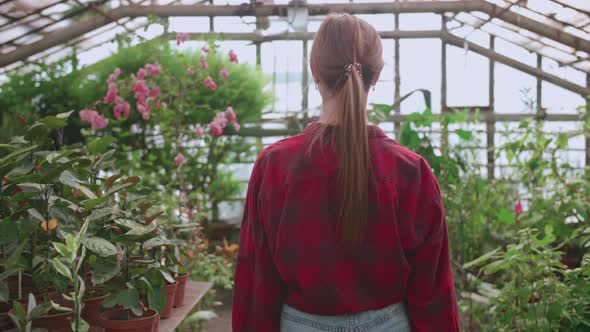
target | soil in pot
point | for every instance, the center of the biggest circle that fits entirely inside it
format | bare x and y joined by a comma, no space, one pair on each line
115,320
92,303
170,293
56,321
180,290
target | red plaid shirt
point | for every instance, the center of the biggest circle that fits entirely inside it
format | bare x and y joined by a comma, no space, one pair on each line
290,251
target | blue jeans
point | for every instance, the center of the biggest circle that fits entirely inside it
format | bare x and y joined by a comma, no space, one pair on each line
389,319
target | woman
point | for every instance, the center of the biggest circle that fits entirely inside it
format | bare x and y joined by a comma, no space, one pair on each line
343,228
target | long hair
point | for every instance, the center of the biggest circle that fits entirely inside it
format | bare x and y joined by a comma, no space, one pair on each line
346,57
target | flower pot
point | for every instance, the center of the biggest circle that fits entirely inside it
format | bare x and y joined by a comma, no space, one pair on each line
116,320
5,321
91,312
157,324
55,321
170,292
180,290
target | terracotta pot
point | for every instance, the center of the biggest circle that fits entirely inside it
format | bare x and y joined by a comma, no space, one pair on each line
91,310
56,321
170,293
157,323
180,289
5,321
124,320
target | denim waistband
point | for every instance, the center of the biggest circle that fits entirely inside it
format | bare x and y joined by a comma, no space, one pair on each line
384,319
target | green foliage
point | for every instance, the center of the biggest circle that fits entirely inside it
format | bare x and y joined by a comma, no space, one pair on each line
214,269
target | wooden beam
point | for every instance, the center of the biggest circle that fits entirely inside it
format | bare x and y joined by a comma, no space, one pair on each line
539,103
62,35
304,81
491,125
459,42
443,88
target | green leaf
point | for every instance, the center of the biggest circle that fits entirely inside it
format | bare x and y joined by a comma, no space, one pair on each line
97,214
122,186
35,214
36,131
495,266
105,272
89,204
65,251
482,259
463,134
4,275
53,122
506,216
135,228
167,276
100,145
81,288
15,154
64,115
4,292
554,311
69,179
81,259
129,298
40,310
100,246
157,299
89,193
19,311
82,326
62,269
110,301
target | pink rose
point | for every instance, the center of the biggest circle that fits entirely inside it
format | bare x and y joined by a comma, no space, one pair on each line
216,129
190,70
224,73
205,49
153,69
209,83
141,74
111,93
231,115
99,122
121,108
114,75
87,115
140,89
236,126
155,92
518,209
199,131
179,160
203,62
145,110
181,38
233,57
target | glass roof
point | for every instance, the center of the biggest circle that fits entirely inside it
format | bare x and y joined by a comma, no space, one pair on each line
23,22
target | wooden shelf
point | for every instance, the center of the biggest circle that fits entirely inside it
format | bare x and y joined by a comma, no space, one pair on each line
195,290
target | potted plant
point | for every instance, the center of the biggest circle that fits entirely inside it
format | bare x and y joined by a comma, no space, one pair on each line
49,315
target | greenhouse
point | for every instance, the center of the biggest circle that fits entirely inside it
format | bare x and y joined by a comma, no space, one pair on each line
156,174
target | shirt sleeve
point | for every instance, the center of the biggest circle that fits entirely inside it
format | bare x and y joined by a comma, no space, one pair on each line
430,299
258,290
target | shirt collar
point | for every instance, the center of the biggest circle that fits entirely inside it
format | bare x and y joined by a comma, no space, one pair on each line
372,130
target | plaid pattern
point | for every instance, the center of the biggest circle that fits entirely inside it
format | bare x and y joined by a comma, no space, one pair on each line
290,250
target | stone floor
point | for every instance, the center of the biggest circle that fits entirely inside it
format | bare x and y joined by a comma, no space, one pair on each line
223,322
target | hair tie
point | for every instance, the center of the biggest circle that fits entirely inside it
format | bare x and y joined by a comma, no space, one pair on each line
352,66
